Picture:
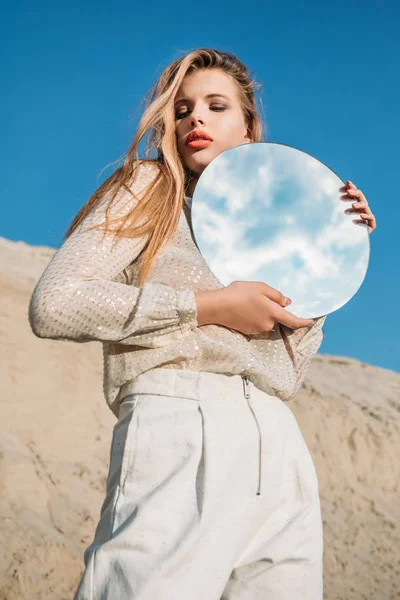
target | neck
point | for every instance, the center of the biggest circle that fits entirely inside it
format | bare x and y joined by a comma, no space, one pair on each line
191,184
190,189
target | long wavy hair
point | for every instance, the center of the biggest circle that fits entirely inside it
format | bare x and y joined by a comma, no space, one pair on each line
157,214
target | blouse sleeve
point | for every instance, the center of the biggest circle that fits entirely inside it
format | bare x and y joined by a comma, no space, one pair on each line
76,297
302,344
305,340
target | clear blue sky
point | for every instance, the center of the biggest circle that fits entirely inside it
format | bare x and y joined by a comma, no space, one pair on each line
75,75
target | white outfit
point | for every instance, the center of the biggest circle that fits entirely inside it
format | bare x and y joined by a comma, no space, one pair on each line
181,519
211,494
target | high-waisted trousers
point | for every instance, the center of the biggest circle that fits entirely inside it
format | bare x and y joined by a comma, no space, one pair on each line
212,494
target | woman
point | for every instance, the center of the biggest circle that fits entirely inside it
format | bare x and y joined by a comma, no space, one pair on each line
195,373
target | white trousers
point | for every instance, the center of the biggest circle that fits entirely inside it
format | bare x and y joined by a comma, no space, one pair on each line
182,519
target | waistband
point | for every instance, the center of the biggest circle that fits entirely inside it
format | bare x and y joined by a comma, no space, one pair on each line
189,384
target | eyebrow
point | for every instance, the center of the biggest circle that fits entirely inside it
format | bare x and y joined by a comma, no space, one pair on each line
208,96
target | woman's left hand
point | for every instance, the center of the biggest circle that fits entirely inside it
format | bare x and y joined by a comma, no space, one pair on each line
360,207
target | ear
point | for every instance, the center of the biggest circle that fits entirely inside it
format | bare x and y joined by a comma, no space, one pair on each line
247,137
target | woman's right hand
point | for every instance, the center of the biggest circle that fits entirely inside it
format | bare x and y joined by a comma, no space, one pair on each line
250,307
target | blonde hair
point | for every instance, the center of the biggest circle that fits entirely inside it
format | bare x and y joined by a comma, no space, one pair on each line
161,204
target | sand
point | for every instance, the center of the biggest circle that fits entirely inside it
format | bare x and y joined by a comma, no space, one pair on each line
55,436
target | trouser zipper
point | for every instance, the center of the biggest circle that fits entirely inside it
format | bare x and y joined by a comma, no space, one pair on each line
247,396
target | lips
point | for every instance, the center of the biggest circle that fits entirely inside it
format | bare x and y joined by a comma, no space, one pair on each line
199,143
198,135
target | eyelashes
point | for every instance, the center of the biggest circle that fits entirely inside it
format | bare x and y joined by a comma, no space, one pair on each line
216,108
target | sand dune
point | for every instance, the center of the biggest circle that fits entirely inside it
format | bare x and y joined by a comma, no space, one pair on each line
55,437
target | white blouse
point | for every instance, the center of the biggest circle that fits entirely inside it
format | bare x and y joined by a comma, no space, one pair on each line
89,291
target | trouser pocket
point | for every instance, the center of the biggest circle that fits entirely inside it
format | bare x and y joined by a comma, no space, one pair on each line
123,445
164,442
121,454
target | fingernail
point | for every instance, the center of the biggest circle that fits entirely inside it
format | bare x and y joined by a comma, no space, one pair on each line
287,300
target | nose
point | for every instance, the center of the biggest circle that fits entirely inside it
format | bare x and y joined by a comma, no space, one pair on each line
197,119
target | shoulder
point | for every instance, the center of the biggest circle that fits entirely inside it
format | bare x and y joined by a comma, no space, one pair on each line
144,173
136,186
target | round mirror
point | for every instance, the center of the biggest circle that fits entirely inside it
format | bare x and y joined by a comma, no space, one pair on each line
270,212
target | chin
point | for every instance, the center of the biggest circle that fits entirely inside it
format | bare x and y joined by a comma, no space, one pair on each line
199,161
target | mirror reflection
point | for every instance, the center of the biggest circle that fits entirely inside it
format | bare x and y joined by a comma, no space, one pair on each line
270,212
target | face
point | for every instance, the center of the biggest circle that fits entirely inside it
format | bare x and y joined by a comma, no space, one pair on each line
220,116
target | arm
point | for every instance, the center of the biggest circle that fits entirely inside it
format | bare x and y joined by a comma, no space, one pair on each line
77,299
302,340
300,344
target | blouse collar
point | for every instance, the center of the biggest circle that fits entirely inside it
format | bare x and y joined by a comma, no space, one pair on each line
188,200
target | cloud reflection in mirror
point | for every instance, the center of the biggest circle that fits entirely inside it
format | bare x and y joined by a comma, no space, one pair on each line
270,212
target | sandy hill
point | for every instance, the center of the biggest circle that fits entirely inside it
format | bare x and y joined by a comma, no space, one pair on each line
55,437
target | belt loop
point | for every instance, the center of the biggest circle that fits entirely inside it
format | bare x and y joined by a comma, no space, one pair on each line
247,396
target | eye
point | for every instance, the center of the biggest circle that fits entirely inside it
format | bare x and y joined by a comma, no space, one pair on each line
217,108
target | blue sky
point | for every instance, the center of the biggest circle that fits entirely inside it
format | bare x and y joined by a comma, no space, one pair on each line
74,79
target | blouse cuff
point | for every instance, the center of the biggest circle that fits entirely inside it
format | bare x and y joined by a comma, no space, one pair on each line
312,339
187,310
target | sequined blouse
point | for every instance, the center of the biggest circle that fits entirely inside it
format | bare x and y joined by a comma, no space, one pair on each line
89,291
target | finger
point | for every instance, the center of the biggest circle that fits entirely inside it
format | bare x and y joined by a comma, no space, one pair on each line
357,194
367,216
290,320
355,213
348,185
360,222
357,208
371,224
274,294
